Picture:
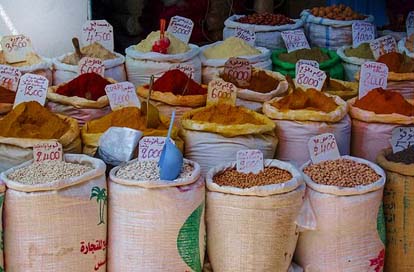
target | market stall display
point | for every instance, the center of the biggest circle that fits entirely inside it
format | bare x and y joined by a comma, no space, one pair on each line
6,100
353,58
66,66
343,199
246,209
58,207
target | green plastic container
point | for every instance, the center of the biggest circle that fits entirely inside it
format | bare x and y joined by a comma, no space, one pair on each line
333,66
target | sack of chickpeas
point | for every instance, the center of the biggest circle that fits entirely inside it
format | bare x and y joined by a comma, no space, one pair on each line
156,225
55,215
344,197
251,218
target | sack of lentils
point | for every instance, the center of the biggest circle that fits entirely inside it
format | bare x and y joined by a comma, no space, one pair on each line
399,217
331,27
301,115
156,225
374,117
29,124
353,58
244,210
214,134
83,98
56,215
267,26
66,66
345,199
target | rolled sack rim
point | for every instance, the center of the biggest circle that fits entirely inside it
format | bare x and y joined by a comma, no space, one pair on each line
158,57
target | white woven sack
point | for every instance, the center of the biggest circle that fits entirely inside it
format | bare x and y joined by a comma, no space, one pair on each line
210,149
57,226
253,229
213,67
402,48
352,65
328,33
114,68
156,225
344,235
294,137
43,68
267,36
140,66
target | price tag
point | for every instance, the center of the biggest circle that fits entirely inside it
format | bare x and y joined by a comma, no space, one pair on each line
189,70
409,23
181,28
16,47
295,40
246,34
239,70
383,45
310,77
308,62
121,95
220,91
150,148
9,77
31,88
48,151
373,75
91,65
250,161
402,138
362,32
323,148
98,31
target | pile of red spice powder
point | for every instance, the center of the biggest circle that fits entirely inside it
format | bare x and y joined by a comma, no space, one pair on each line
175,81
90,86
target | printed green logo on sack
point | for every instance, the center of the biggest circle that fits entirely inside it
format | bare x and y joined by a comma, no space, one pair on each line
101,198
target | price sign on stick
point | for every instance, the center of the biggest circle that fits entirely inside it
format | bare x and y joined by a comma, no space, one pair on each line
383,45
48,151
122,94
150,148
239,70
295,40
410,23
310,77
31,88
9,77
189,70
308,62
250,161
16,47
91,65
373,75
98,31
181,28
323,148
220,91
362,32
402,138
246,34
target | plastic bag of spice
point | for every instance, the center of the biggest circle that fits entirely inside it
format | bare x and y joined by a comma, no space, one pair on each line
352,64
403,48
56,213
342,234
246,209
152,218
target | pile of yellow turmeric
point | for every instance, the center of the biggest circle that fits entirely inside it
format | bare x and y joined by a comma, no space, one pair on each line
225,114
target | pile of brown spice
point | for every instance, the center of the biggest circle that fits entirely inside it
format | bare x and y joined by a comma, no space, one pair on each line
260,82
7,96
225,114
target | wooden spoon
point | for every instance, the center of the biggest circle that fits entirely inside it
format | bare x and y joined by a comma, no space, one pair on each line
78,52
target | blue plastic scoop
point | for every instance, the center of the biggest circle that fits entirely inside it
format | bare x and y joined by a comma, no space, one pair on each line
171,159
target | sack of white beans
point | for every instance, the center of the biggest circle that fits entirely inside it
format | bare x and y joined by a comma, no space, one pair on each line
342,207
156,225
55,215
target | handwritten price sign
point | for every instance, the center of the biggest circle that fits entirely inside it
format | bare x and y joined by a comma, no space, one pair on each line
189,70
323,148
31,88
98,31
16,47
409,23
181,28
362,32
310,77
246,34
295,40
91,65
373,75
402,138
220,91
9,77
250,161
312,63
239,70
383,45
150,148
49,151
121,95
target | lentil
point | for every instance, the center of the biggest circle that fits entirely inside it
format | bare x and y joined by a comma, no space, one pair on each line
270,175
341,172
405,156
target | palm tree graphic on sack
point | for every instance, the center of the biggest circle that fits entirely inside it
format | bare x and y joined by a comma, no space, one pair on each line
101,198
